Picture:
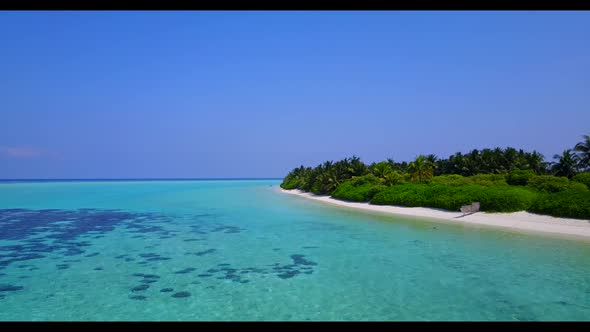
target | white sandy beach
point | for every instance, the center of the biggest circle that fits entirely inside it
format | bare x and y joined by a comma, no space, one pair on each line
517,221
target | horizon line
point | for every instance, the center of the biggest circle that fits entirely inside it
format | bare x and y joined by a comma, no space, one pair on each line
138,179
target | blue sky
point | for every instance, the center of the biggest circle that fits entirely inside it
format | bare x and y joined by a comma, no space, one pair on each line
254,94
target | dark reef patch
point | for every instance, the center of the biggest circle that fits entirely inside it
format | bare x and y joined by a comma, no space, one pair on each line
158,259
10,288
71,261
181,294
148,281
148,255
187,270
204,228
227,229
224,271
140,288
192,240
205,252
57,231
300,260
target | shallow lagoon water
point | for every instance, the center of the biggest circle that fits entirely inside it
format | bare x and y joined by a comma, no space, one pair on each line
241,250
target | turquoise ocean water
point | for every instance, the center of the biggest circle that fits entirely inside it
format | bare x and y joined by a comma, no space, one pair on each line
241,250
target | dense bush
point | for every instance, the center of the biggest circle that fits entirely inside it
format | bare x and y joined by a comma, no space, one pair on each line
519,177
583,178
289,184
506,199
450,180
488,180
496,199
360,180
553,184
359,189
569,204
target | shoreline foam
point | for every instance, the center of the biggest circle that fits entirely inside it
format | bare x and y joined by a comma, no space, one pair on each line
516,221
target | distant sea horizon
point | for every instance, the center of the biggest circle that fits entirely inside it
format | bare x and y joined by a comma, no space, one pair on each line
133,179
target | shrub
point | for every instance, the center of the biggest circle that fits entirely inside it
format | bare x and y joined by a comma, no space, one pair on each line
553,184
488,180
506,199
450,180
519,177
493,199
393,177
569,204
577,186
360,180
583,178
290,184
404,195
360,189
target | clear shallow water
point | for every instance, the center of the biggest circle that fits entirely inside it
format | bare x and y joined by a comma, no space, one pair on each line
241,250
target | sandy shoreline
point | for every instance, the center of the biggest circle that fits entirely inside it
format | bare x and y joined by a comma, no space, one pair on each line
517,221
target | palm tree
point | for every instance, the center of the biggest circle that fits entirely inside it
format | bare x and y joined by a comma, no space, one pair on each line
380,169
433,160
566,164
536,162
357,167
420,169
583,149
510,156
392,177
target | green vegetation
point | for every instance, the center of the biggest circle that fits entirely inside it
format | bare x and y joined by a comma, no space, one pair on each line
583,178
519,177
502,180
554,184
563,204
493,199
360,189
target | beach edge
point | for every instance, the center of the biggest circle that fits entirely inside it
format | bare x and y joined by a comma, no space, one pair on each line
522,222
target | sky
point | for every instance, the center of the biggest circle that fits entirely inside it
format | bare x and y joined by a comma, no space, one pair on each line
202,94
